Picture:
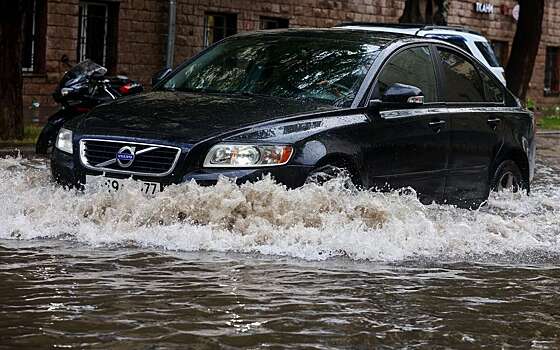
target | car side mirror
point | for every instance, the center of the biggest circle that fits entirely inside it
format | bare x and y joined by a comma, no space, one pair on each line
160,75
401,95
374,107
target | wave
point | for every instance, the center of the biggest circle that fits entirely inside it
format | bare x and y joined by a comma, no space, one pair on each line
312,222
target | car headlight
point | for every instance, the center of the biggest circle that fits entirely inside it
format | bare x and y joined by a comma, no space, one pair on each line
239,156
64,140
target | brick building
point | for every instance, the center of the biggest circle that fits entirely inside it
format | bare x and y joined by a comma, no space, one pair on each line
130,36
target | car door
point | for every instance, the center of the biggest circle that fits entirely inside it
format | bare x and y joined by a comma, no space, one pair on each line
473,99
416,138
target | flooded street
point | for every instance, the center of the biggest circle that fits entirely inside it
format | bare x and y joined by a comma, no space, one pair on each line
260,266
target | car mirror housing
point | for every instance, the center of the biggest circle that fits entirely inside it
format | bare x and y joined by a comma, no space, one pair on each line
403,95
374,107
160,75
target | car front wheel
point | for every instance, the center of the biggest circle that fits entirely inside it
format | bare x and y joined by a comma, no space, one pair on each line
507,177
325,173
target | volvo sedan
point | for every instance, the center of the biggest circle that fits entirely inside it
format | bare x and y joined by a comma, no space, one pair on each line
393,111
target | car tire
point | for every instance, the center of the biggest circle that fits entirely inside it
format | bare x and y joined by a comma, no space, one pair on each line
507,177
325,173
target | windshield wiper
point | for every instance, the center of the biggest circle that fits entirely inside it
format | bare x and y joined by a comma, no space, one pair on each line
248,93
221,92
202,91
339,102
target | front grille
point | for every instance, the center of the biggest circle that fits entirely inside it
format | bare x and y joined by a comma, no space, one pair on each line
148,159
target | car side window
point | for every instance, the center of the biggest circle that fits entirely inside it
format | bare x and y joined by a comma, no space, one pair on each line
494,92
462,82
412,66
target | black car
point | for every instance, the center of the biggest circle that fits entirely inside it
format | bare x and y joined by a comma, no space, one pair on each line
392,110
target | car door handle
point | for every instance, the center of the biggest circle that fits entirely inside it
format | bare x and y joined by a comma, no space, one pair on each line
436,125
493,122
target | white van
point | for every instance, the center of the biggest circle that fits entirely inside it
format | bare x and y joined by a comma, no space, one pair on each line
470,41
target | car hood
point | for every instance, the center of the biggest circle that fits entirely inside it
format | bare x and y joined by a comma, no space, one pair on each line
188,117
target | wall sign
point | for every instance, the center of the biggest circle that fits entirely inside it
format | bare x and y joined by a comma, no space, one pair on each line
483,7
515,12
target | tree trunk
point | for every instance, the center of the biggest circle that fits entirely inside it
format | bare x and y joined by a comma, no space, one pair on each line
440,16
11,41
411,13
425,12
525,46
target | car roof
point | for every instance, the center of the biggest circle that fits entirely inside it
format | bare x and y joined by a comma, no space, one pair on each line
378,38
414,29
369,34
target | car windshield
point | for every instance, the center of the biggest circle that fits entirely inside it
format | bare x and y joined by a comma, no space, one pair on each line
488,53
320,69
82,71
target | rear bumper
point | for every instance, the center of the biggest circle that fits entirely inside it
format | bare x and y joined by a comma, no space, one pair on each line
67,171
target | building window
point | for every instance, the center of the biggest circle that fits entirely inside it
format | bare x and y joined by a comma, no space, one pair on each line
34,29
97,33
501,49
274,22
552,72
218,26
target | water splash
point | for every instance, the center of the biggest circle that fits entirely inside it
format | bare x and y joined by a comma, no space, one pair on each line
312,222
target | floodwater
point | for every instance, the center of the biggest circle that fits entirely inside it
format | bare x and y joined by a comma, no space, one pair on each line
259,266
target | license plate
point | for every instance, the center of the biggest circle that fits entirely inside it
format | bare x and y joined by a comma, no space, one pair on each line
114,185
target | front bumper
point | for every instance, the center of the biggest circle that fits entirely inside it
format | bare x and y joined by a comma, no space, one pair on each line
290,175
67,171
64,169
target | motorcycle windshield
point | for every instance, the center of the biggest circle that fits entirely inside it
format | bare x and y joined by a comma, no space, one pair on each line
81,72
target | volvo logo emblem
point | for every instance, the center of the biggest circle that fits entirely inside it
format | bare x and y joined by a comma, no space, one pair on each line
125,156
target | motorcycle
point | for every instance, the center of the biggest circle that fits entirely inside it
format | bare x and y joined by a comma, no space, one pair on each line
82,88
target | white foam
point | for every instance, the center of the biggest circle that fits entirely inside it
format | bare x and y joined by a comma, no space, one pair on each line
312,222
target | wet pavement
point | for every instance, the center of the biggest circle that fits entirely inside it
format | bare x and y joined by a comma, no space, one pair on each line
263,267
549,148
